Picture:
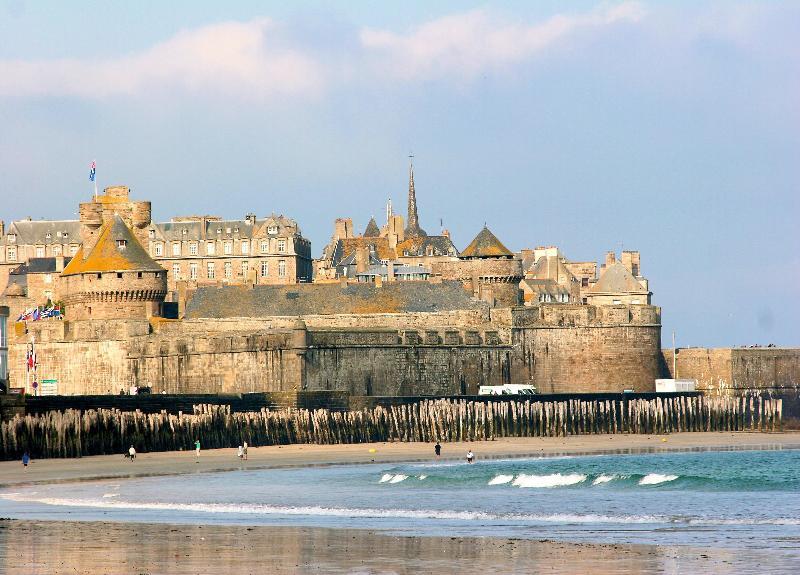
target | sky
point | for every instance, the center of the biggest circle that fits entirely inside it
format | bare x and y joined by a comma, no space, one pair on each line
672,128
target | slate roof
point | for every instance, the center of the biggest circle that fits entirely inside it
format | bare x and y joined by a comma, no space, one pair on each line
383,270
617,279
486,245
35,232
372,231
229,229
107,256
38,266
547,286
550,267
328,299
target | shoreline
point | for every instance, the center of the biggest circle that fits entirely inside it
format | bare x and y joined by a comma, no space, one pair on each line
98,467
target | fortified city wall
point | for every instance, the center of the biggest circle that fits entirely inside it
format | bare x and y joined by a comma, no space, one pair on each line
557,348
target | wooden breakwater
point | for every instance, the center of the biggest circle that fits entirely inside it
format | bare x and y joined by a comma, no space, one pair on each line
73,433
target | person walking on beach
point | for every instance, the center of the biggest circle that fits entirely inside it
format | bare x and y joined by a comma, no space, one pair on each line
132,453
470,456
26,459
437,449
240,453
244,451
197,449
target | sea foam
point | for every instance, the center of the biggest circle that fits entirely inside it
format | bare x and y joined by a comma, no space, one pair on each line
656,478
501,480
603,478
552,480
398,478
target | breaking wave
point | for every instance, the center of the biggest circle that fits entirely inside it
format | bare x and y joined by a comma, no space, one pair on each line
603,478
552,480
501,480
656,479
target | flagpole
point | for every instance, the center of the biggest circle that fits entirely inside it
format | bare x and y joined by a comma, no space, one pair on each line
94,163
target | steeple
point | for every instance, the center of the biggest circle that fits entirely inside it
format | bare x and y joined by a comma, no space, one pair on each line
412,229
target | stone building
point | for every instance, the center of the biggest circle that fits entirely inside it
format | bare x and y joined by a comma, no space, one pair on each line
620,282
195,250
407,246
33,284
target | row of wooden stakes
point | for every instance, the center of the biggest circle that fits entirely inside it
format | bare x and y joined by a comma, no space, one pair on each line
73,433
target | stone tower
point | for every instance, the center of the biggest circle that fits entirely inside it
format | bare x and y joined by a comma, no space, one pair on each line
114,278
113,200
412,229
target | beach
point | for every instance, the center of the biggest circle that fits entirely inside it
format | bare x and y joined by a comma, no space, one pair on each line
33,545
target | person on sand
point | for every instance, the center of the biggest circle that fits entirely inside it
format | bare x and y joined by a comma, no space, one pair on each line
197,448
244,451
437,449
240,452
470,456
132,453
26,459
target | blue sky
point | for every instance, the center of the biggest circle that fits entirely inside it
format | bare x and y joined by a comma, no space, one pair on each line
671,128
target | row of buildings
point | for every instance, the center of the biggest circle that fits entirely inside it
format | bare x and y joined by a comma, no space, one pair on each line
198,251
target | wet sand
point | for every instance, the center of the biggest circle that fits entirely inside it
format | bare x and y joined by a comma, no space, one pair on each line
55,548
179,462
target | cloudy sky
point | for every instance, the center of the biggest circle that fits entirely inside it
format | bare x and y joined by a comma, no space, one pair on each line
670,128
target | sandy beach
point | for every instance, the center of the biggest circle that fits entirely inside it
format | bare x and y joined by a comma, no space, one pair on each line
179,462
61,547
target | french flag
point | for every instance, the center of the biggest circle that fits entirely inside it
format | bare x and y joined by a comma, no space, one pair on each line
92,171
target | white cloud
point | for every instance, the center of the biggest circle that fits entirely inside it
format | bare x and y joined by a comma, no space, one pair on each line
234,58
469,43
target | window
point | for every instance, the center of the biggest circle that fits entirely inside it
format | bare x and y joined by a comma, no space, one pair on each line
281,245
264,269
159,250
210,272
176,248
48,278
73,249
281,268
227,248
12,253
151,234
210,248
584,282
616,302
272,230
185,232
176,271
56,249
245,268
219,230
192,271
39,251
264,246
66,235
138,275
585,300
48,235
228,271
235,230
429,250
245,247
122,244
193,249
12,238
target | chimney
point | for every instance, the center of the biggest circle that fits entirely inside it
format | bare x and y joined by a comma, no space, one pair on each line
362,259
611,259
378,281
343,229
2,228
631,261
390,272
59,264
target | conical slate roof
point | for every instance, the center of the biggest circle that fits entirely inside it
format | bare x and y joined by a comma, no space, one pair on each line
617,279
486,245
109,256
372,230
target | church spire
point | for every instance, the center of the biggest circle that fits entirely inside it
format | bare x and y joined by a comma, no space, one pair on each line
412,229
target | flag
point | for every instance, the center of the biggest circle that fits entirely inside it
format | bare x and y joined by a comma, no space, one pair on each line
36,315
92,171
30,359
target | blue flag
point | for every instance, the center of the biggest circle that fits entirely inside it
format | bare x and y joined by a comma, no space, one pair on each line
92,171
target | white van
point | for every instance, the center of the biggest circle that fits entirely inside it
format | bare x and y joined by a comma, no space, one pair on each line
507,389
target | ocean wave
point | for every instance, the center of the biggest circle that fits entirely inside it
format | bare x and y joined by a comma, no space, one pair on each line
500,480
421,477
603,478
656,479
398,478
386,477
106,495
545,481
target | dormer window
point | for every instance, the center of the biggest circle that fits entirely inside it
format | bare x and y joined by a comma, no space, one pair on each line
152,234
235,230
48,235
12,238
66,235
122,244
219,230
184,231
272,230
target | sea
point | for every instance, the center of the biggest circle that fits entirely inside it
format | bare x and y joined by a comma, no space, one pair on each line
740,499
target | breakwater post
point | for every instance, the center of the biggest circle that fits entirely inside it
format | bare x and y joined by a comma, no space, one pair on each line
74,433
